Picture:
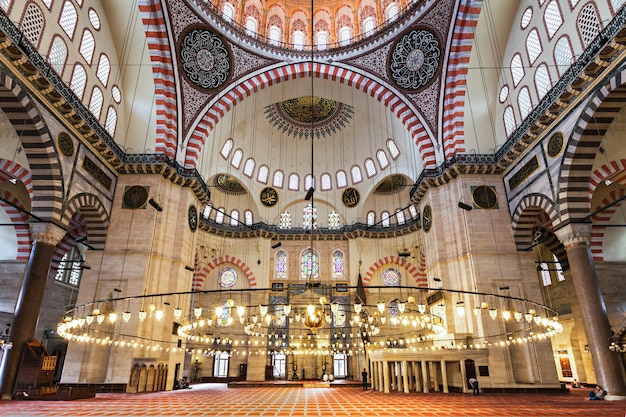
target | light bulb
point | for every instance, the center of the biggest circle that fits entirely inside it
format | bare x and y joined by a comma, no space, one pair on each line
142,315
112,317
126,316
358,307
197,312
255,319
263,309
410,299
100,318
460,308
323,300
517,315
477,311
421,308
287,309
230,302
298,317
241,310
219,310
383,319
334,307
401,307
268,319
89,319
537,319
159,314
310,309
493,313
506,314
178,313
381,306
151,307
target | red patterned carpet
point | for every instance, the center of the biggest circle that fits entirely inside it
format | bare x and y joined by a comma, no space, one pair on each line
218,400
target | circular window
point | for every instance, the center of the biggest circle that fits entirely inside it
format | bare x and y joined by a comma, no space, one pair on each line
135,197
555,144
504,93
94,19
485,197
526,17
391,277
227,277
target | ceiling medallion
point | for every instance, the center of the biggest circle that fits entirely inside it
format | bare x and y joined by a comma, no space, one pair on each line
415,59
205,59
229,184
305,116
390,185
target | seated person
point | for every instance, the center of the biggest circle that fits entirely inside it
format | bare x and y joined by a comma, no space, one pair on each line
597,394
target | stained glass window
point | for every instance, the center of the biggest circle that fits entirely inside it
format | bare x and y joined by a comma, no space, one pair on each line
309,219
227,278
285,220
391,277
280,265
338,264
309,266
334,222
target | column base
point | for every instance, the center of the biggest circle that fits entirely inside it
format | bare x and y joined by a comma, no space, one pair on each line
6,397
615,397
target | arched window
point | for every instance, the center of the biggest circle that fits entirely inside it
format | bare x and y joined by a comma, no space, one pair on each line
371,218
385,218
237,157
563,55
382,159
393,148
524,102
334,222
368,26
32,23
344,36
251,26
542,80
58,54
294,182
370,168
509,121
413,211
70,268
342,179
357,177
275,35
309,182
310,264
248,167
226,148
326,182
68,18
309,217
94,19
533,46
392,12
219,216
400,217
104,69
111,121
263,174
298,40
517,69
78,81
339,264
87,46
207,211
234,218
277,181
526,17
552,18
228,11
95,103
248,217
280,265
285,220
5,4
322,40
588,24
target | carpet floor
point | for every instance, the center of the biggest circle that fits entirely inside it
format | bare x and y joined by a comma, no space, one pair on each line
219,400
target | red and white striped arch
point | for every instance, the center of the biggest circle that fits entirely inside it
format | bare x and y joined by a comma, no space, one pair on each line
361,82
456,76
416,273
12,170
20,221
158,42
614,170
601,220
199,276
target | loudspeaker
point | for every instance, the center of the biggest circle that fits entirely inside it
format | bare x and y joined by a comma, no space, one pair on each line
464,206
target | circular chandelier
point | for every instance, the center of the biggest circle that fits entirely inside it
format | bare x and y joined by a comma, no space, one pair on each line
312,320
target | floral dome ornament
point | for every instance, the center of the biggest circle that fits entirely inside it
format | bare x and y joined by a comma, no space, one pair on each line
415,59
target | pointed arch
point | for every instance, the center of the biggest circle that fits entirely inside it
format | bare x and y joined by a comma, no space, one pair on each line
525,216
200,277
389,98
601,220
418,277
614,170
11,169
20,224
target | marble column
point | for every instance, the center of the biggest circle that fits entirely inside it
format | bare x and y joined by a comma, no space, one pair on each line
425,379
463,376
444,377
405,376
381,380
45,237
386,382
607,365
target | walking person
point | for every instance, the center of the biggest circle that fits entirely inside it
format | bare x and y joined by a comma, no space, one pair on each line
364,375
474,383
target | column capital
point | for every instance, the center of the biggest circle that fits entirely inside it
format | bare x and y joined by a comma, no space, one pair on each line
574,234
48,233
